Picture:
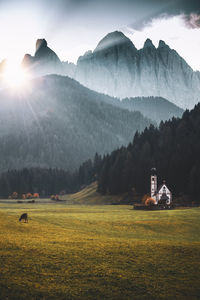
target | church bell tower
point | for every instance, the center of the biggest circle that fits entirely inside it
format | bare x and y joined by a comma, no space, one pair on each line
153,183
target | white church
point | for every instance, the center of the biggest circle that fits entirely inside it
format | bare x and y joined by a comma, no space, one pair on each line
161,194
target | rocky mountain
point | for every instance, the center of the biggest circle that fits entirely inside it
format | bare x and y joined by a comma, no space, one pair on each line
118,69
45,61
59,123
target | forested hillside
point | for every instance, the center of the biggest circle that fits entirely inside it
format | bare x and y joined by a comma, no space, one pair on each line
156,108
58,123
173,148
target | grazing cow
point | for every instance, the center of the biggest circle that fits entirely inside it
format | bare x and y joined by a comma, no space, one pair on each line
24,217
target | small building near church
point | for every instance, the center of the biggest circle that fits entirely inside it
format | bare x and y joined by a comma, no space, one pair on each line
162,195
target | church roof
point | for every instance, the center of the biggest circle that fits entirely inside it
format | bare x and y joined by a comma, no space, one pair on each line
160,187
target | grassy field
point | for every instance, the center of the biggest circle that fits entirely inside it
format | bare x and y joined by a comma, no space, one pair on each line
88,195
98,252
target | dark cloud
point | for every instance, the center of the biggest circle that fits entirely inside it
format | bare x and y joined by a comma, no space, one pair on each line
138,13
188,9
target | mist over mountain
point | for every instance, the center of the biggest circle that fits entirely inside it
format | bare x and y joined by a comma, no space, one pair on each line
45,61
59,123
118,69
156,108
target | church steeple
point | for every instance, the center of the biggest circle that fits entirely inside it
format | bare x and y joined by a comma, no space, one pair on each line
153,182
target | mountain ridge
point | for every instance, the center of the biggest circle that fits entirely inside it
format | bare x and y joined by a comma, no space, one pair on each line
116,68
149,71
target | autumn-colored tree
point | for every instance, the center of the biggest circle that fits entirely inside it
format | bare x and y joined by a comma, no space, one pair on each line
29,196
144,198
150,201
36,195
14,195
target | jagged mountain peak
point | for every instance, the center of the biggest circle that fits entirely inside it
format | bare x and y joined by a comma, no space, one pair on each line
45,60
162,44
149,44
44,52
113,39
40,43
118,69
123,71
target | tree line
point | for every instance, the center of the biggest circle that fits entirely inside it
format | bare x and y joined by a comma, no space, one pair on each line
46,182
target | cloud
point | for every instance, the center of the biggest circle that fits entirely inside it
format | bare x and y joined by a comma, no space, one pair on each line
150,10
192,20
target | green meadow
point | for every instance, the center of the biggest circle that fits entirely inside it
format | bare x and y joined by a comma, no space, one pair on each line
98,252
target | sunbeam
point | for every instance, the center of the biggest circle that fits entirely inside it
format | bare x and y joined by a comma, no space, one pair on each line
14,76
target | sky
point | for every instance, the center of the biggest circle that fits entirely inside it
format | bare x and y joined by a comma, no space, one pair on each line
73,27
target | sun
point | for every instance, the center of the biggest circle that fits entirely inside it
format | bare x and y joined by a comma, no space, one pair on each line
14,76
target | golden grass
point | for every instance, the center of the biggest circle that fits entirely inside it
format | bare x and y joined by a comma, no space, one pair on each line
89,196
98,252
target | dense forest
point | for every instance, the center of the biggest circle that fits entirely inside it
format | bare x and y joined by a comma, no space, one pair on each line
173,148
47,182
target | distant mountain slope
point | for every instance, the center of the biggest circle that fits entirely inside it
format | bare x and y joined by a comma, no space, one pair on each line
155,108
59,123
118,69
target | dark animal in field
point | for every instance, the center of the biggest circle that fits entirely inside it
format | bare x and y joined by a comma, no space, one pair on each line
24,217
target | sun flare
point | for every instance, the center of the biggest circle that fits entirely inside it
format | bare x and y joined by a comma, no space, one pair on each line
15,76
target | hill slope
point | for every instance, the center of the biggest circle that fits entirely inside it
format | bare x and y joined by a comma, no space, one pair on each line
156,108
90,196
59,123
